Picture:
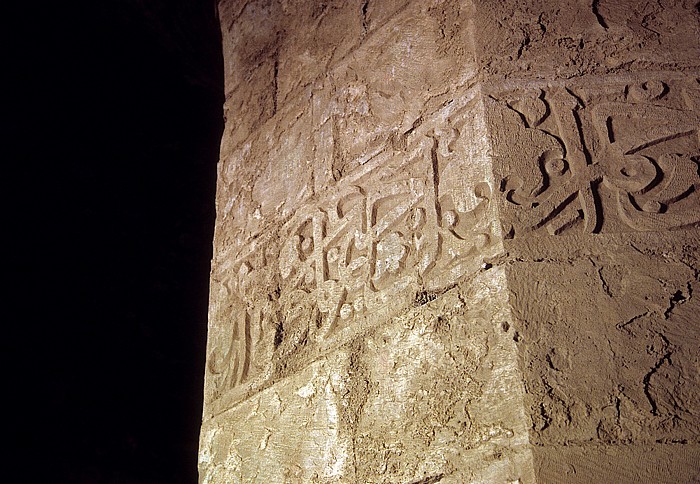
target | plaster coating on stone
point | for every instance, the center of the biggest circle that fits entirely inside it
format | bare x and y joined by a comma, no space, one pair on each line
456,242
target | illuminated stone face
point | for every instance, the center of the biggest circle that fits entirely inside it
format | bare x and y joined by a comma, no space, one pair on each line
435,262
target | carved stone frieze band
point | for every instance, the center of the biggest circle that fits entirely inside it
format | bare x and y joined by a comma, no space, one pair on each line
456,241
408,223
416,215
598,156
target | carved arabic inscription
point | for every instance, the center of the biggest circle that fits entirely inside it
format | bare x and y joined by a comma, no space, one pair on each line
376,242
609,157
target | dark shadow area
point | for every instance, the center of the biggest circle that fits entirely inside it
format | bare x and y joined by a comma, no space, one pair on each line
116,122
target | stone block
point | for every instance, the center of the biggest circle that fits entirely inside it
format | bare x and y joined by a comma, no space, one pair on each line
662,464
564,39
434,394
409,221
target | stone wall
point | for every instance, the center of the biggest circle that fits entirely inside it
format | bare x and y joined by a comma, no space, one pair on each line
593,115
456,242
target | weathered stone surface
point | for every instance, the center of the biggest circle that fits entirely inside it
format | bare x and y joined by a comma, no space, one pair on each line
434,393
562,39
600,155
595,152
616,361
665,464
456,242
411,218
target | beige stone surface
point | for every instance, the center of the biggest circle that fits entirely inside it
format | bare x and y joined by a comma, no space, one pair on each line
410,220
592,114
616,361
563,39
434,393
661,463
456,242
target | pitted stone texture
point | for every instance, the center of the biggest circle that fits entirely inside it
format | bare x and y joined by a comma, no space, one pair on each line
382,189
409,221
433,394
660,463
615,361
562,39
597,155
291,432
365,94
444,393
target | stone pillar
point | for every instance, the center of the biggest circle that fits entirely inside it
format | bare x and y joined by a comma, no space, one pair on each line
454,243
593,115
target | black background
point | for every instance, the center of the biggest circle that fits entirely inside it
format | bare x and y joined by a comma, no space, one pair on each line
113,121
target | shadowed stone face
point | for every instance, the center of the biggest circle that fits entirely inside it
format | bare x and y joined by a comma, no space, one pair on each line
453,250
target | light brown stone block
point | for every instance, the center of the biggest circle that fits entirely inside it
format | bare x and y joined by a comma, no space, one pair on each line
434,393
456,242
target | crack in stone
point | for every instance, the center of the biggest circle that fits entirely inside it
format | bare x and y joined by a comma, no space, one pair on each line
430,479
275,85
677,299
665,358
598,16
603,282
364,16
631,320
